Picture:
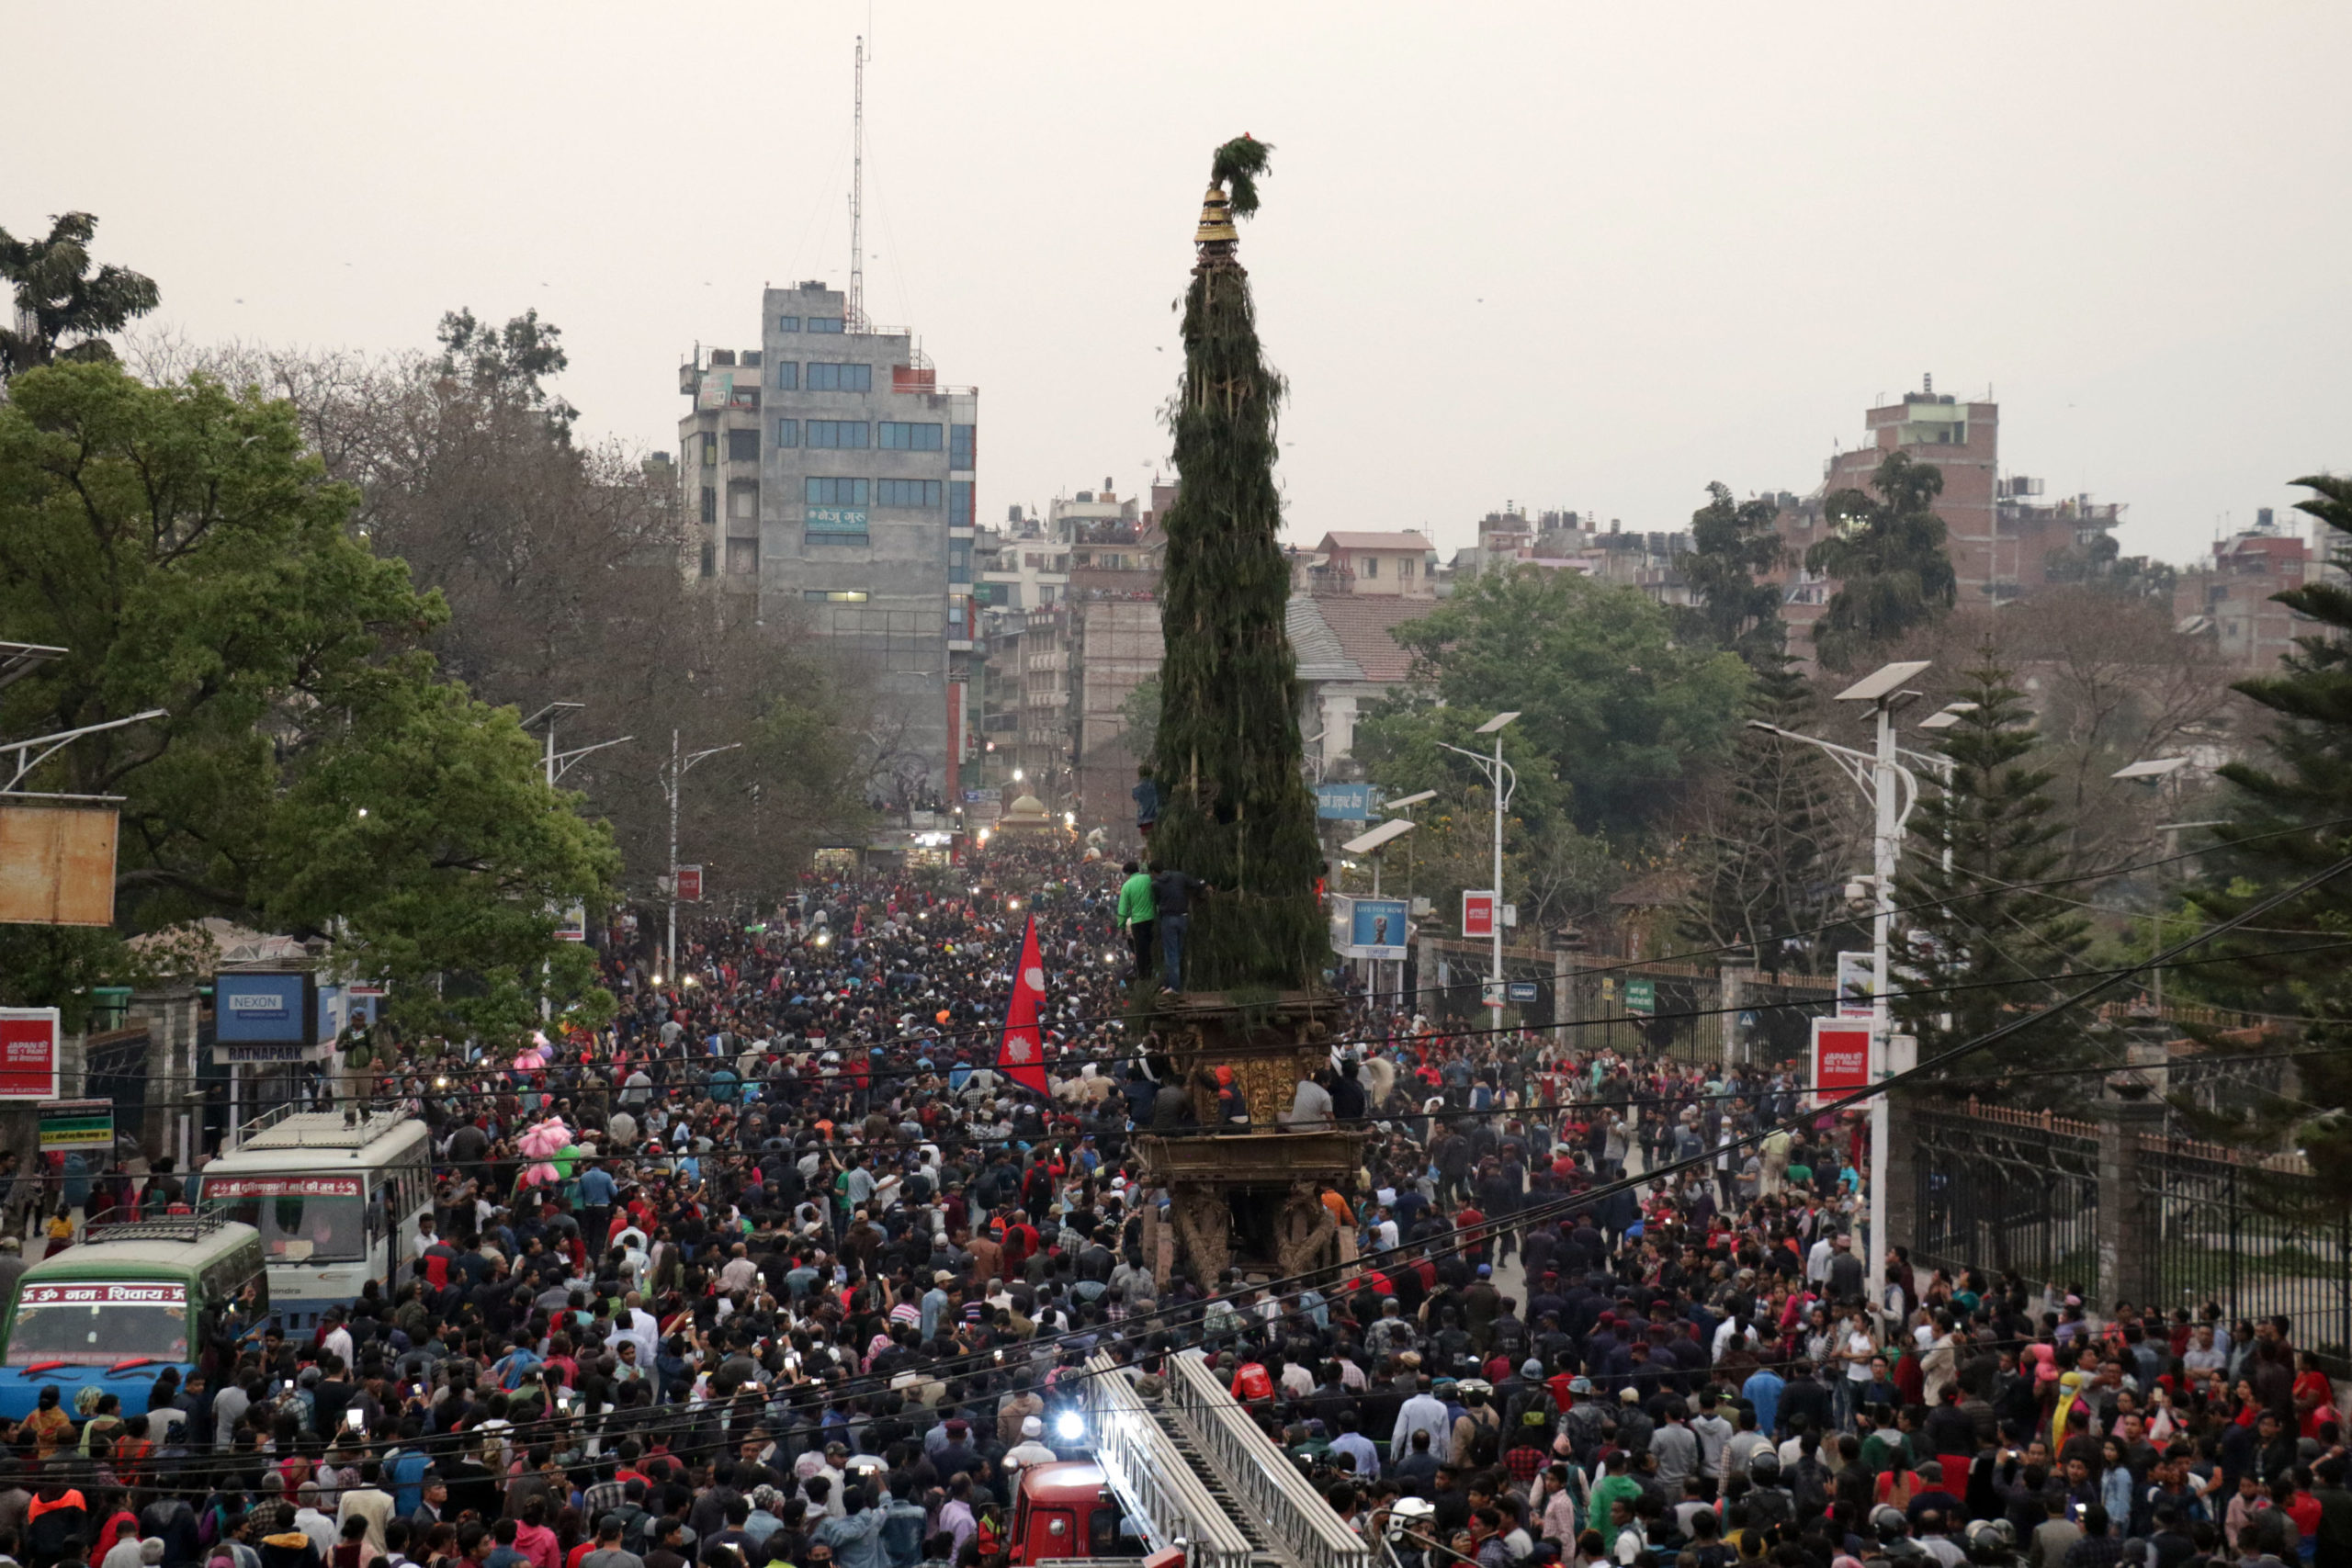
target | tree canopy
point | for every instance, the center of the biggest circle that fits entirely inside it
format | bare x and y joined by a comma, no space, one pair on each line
1622,715
1888,555
315,773
62,307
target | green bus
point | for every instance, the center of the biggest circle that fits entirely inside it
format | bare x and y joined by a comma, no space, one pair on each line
115,1310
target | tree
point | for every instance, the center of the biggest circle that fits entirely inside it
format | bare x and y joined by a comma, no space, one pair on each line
1730,542
314,773
1889,560
1139,716
1611,706
2288,823
553,557
1775,838
1237,812
62,307
1980,939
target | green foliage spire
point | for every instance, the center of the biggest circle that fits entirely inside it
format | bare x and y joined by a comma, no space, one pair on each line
1983,940
1237,166
1237,812
2287,823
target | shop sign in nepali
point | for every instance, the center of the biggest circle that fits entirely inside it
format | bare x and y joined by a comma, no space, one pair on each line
76,1124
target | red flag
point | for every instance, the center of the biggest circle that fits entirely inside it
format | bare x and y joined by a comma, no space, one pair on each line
1021,1055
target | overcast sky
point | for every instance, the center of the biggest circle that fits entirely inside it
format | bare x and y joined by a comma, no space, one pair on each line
1588,255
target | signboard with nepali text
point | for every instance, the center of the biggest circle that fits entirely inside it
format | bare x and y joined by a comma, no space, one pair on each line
103,1295
29,1052
76,1124
282,1186
690,884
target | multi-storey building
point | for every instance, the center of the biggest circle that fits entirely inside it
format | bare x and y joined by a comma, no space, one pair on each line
1112,642
2229,598
832,475
1023,596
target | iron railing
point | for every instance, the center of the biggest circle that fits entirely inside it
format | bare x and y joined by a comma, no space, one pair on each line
1261,1477
1999,1195
1151,1477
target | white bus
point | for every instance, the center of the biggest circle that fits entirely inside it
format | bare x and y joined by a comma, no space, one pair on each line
335,1196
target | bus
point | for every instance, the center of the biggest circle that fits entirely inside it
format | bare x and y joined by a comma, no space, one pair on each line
135,1298
335,1196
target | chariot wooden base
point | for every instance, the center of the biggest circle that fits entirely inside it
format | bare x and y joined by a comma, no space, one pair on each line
1250,1201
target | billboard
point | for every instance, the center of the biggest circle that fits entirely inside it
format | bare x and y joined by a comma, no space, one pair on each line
1479,912
56,865
29,1052
1377,928
690,884
275,1007
572,926
1841,1056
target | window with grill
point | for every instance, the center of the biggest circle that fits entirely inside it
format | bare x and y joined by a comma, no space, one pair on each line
743,446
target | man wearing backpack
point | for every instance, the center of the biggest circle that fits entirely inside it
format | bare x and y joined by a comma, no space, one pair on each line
1477,1431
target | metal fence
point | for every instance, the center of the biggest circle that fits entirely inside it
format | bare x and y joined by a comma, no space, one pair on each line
2003,1190
2262,1238
2007,1191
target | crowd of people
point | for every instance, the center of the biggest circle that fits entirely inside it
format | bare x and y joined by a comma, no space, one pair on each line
782,1268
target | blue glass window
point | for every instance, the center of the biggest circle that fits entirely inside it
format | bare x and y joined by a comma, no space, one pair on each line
898,435
907,492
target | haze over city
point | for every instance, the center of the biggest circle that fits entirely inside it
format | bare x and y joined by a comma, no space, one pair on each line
1578,257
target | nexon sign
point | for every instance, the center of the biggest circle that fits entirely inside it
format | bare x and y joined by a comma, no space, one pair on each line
266,1007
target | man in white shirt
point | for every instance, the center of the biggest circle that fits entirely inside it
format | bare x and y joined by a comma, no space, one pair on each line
1031,1450
1422,1413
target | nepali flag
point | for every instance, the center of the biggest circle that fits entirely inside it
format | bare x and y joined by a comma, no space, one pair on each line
1021,1055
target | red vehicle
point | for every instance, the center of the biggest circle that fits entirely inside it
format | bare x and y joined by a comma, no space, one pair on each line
1067,1509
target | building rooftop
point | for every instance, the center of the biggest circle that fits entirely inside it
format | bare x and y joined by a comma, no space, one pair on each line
1404,540
1361,629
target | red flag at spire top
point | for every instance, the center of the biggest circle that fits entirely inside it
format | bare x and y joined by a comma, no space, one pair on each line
1021,1055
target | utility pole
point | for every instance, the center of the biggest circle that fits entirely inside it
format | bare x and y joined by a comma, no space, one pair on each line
1893,790
1504,780
555,765
678,768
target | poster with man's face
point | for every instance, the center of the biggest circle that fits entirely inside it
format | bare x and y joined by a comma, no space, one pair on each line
1377,928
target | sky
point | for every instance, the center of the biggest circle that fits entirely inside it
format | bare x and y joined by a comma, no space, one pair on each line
1569,255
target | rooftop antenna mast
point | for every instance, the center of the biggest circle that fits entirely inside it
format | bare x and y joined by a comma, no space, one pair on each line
857,197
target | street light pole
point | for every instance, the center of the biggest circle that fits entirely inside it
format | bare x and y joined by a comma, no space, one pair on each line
1894,790
678,768
1504,779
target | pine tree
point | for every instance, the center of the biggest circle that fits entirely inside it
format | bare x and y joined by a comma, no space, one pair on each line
1772,866
2290,822
1978,943
1237,812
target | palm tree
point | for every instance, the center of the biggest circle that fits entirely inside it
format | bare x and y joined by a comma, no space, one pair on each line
61,306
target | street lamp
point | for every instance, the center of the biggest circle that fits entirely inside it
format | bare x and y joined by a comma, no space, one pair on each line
1504,780
1893,790
1372,843
678,768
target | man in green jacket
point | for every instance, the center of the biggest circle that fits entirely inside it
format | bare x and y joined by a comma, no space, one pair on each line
1137,913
